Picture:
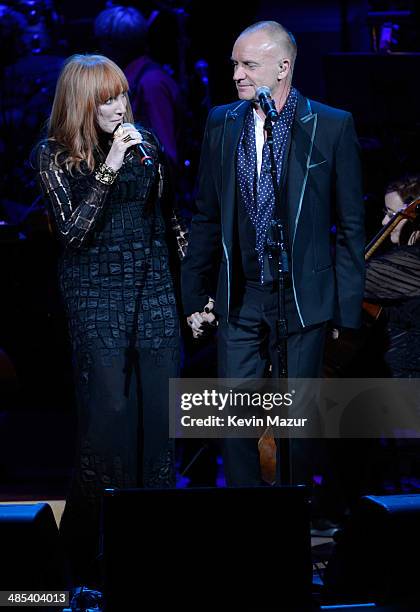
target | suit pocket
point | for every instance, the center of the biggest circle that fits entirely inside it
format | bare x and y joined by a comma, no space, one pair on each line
317,164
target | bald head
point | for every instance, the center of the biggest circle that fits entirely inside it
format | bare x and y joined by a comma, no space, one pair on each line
263,55
278,39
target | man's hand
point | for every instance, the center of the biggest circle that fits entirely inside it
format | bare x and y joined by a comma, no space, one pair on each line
201,323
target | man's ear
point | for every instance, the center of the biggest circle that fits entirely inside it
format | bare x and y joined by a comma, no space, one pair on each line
284,68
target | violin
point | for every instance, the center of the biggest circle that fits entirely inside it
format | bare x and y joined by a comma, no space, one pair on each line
408,212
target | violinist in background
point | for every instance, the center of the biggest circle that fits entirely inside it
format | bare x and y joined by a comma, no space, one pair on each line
392,291
392,308
388,345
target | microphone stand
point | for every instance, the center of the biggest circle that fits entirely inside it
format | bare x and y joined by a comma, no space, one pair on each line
277,251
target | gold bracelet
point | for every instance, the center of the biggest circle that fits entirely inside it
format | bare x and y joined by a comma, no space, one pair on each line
105,174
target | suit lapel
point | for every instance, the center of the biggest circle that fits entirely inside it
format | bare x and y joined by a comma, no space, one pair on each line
232,129
303,137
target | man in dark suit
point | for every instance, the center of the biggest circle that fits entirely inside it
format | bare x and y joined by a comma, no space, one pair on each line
318,169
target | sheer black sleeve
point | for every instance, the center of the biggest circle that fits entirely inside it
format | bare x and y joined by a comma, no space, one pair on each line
394,275
74,216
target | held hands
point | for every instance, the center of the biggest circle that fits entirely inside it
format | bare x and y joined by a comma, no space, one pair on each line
201,323
125,136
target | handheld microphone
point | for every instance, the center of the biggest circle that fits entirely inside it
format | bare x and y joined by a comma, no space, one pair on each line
145,158
267,103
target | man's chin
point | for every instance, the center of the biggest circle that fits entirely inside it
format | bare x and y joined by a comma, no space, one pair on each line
246,93
242,95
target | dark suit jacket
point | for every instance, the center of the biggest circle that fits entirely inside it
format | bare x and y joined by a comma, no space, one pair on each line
321,186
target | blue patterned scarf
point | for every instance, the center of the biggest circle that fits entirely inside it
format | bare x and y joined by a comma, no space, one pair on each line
258,194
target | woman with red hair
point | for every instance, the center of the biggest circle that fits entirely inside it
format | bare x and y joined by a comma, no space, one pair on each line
103,179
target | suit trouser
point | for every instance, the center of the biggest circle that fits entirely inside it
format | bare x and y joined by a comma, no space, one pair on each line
246,347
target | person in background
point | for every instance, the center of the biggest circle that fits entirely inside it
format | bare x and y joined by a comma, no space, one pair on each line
392,292
390,348
156,99
30,62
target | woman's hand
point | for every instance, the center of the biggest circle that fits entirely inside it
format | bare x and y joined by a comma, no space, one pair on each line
201,323
125,136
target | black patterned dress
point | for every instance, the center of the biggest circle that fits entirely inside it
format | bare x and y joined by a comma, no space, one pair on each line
118,293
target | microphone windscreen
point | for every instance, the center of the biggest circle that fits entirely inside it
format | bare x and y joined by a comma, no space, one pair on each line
263,91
